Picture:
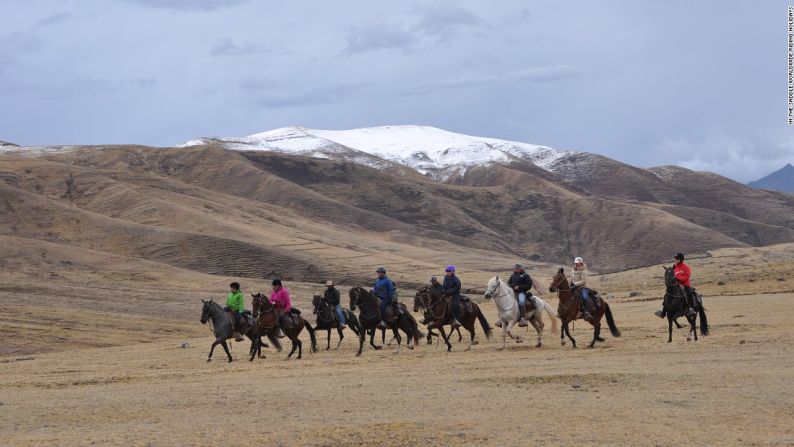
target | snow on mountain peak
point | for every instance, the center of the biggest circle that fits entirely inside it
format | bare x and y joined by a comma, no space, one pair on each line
423,148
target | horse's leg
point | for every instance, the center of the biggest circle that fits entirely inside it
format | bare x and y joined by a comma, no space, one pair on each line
504,333
471,333
341,336
568,333
212,348
692,330
300,346
460,337
396,333
510,326
669,329
562,334
677,324
226,348
446,339
294,347
596,331
252,350
598,335
372,339
328,344
361,336
430,336
539,328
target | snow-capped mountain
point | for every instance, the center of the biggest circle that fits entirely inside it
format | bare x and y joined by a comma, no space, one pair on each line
428,150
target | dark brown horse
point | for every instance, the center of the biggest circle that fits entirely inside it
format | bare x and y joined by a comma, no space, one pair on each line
675,306
327,320
569,310
439,309
267,323
369,317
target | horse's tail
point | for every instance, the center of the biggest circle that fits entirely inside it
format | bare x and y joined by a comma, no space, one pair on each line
484,323
553,317
611,322
415,326
704,322
352,322
275,342
311,335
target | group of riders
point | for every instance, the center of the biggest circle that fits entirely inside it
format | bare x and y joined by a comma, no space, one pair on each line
384,289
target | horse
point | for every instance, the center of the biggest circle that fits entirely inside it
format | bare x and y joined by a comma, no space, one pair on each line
267,322
440,310
430,333
369,317
222,327
509,313
569,310
326,320
675,306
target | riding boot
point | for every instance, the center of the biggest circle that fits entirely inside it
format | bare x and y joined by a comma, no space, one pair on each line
280,333
660,313
238,337
585,314
382,324
523,321
455,323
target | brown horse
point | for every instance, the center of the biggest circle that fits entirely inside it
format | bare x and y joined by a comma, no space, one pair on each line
569,310
267,323
439,309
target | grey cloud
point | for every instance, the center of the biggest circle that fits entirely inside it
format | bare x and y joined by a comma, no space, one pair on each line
188,5
75,88
443,21
382,37
53,19
227,47
328,94
538,74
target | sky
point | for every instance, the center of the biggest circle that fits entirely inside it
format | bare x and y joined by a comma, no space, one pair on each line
697,84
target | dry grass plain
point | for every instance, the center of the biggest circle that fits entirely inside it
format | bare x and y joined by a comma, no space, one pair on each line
78,376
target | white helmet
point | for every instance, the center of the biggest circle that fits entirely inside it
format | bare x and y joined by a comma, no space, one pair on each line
578,260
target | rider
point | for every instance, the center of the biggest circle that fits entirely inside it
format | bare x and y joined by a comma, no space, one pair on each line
579,282
280,299
521,283
452,288
235,302
384,290
682,274
331,297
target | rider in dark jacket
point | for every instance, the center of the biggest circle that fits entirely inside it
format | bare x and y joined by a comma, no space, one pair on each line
452,288
384,290
521,283
331,296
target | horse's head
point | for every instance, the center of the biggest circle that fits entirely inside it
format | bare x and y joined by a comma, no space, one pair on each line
316,300
257,301
419,298
206,311
355,297
558,280
493,287
669,277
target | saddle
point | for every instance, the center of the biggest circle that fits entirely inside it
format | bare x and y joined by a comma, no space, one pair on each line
390,314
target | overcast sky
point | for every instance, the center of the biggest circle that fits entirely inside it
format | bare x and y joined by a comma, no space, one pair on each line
699,84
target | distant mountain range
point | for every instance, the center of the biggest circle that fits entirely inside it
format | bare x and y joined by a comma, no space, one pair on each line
780,180
304,204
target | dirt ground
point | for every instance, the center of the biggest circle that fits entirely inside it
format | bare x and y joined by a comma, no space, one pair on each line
734,387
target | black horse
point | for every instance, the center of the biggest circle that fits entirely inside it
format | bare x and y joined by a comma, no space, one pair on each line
369,317
223,328
675,306
327,320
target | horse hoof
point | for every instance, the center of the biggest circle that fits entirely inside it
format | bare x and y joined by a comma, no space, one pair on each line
538,345
562,343
688,339
358,355
209,360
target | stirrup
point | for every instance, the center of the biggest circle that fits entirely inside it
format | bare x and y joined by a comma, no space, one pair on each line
522,322
659,313
280,333
498,323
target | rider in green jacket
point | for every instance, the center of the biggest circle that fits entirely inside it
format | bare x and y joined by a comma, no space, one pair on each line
236,303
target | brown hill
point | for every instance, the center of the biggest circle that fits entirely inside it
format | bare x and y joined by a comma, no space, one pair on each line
261,214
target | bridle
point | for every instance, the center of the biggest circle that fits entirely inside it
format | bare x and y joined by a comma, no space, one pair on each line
319,312
261,311
359,299
429,304
498,286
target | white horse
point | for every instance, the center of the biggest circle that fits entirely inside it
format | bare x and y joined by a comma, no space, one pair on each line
509,314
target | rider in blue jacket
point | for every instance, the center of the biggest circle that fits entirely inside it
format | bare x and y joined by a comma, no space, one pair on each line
384,290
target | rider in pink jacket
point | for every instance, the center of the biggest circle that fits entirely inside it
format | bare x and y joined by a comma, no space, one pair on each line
280,296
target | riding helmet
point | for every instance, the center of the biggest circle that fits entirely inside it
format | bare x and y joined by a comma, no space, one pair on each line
276,282
381,270
450,268
235,285
679,256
